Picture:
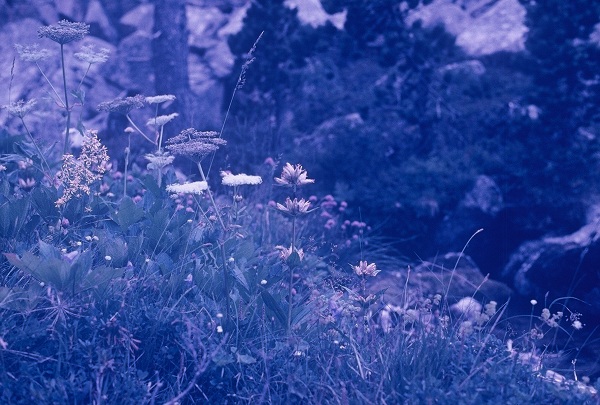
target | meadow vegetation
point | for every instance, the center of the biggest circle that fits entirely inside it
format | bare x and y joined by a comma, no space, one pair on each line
144,286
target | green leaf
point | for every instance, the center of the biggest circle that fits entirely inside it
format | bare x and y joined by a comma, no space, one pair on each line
128,214
274,306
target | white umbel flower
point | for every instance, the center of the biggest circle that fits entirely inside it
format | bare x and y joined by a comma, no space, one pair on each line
241,179
160,98
196,187
161,120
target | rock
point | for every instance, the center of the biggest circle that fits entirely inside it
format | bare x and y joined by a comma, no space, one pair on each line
481,27
141,18
476,211
311,12
100,24
564,266
453,276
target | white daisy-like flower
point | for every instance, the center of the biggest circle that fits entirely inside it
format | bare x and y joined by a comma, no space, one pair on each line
160,99
233,180
161,120
196,187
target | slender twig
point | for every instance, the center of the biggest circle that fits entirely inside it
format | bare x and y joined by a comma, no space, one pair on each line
139,130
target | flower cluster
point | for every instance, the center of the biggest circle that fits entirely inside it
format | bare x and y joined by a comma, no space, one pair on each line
64,31
365,269
122,105
77,174
294,207
89,54
196,187
194,144
32,53
161,120
293,176
160,99
234,180
159,160
20,108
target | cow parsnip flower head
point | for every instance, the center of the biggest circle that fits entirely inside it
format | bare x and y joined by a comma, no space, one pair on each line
21,108
161,120
121,105
89,54
159,160
64,31
194,144
234,180
196,187
32,53
293,176
160,99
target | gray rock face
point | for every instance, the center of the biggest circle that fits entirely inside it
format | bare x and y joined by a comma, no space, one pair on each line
562,266
481,27
452,275
476,210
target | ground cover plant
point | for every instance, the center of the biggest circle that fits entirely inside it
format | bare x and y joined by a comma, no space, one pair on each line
140,286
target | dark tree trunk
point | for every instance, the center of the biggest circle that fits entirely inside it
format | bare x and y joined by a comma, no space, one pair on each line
170,59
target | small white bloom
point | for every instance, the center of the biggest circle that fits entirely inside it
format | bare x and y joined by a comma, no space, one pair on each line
577,325
161,120
233,180
219,329
196,187
533,302
107,258
189,278
78,243
219,315
160,99
263,282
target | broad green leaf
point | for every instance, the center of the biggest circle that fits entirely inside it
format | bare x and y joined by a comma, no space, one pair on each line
274,306
128,213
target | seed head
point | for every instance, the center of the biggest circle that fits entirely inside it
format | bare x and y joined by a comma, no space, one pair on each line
32,53
89,54
20,108
194,144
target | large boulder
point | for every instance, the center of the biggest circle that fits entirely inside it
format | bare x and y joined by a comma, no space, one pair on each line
563,266
476,210
454,276
481,27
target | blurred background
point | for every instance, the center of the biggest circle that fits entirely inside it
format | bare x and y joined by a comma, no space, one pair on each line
430,118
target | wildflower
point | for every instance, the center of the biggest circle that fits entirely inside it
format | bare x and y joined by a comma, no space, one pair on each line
294,207
263,282
64,31
107,258
26,184
194,144
219,329
89,54
285,253
292,176
364,269
32,53
2,168
196,187
159,160
160,99
121,105
21,108
241,179
490,308
77,174
577,324
161,120
533,302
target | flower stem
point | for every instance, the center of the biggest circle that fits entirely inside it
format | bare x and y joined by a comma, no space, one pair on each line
291,283
64,74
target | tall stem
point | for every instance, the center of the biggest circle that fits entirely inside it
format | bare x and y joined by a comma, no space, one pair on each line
291,283
62,62
37,148
127,152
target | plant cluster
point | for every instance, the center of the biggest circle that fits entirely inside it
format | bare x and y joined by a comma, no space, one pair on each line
139,287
